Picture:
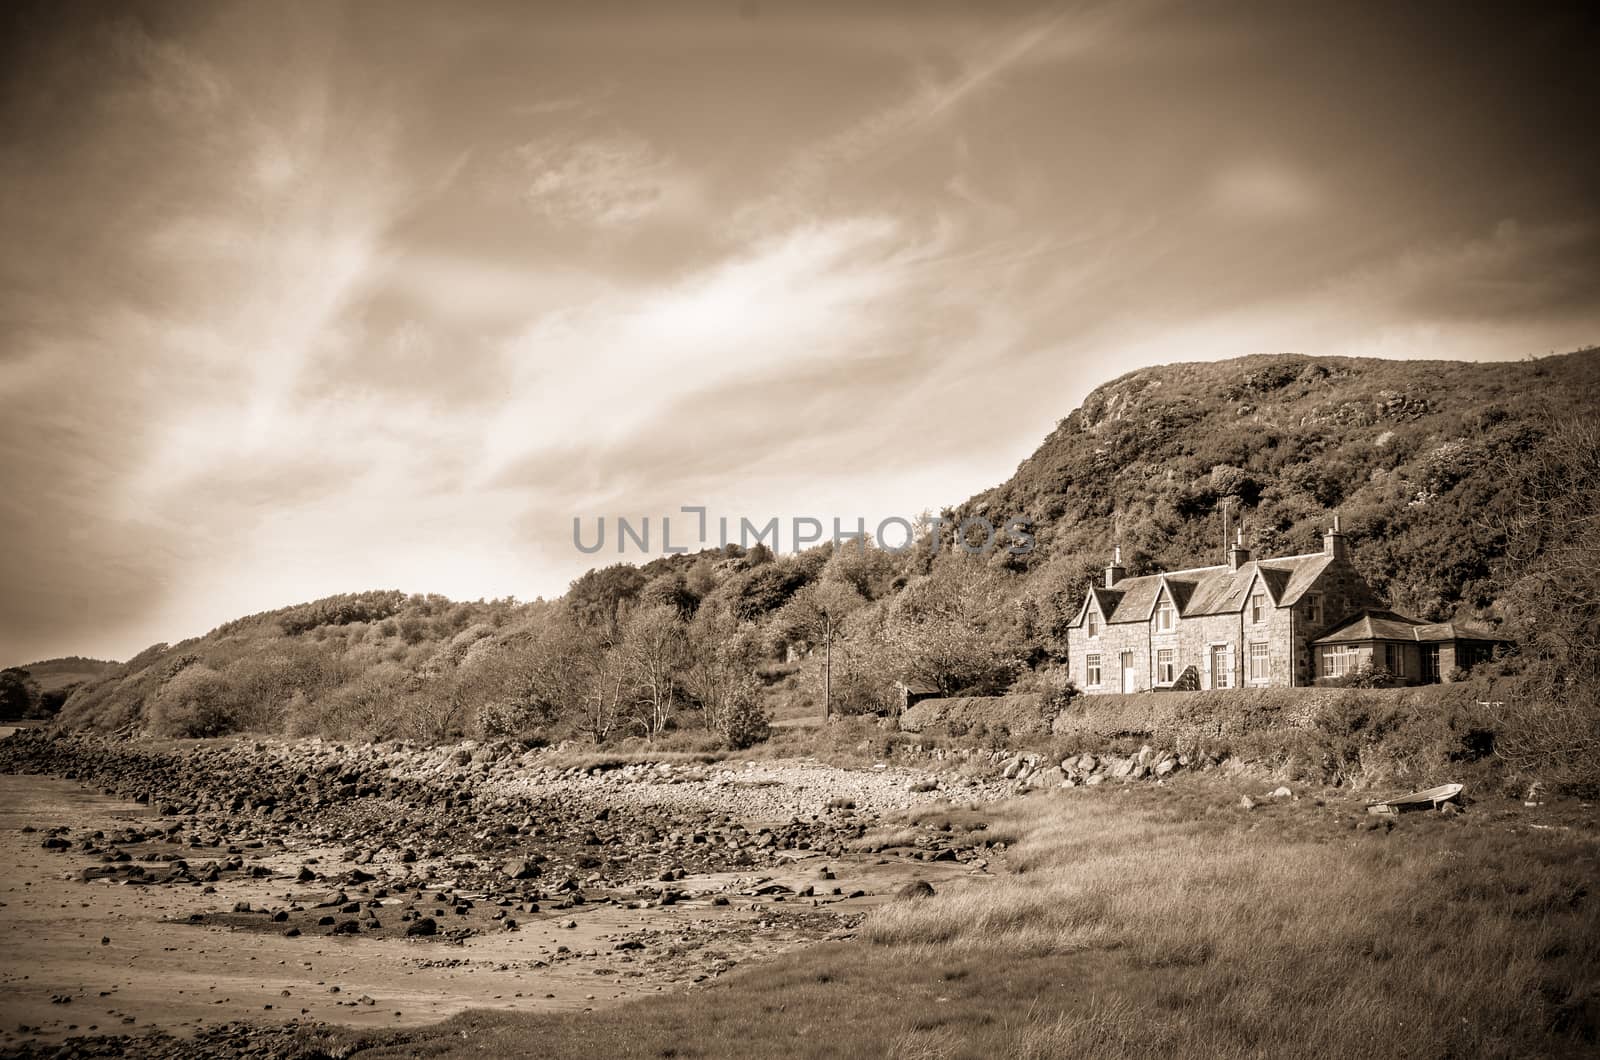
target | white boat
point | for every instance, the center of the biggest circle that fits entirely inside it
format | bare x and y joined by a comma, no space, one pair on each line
1430,799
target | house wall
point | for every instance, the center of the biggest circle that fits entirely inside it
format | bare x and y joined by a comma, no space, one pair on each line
1109,645
1288,633
1344,592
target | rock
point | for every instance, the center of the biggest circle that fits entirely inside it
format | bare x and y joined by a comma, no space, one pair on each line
916,889
422,928
1047,778
520,869
1123,767
1087,763
1166,767
1282,793
1449,809
1012,769
1246,802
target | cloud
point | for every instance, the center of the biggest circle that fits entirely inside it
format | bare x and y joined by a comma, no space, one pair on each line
607,181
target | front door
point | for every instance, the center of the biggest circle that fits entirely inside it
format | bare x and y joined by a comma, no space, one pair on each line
1220,666
1127,671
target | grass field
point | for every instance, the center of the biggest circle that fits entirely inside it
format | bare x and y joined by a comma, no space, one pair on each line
1166,922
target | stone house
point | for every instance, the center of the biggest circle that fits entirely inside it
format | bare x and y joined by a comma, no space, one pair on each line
1289,621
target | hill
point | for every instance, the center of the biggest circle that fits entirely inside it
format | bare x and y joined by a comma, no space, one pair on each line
1424,461
55,674
1414,456
38,690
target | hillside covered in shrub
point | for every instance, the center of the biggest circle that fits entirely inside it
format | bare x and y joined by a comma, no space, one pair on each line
1433,466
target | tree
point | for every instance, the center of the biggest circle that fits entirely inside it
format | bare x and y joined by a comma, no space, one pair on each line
723,653
18,693
654,647
956,630
600,598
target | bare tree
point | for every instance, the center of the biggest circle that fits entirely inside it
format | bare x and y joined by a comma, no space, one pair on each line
654,648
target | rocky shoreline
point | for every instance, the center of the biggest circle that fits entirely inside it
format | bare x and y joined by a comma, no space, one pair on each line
432,849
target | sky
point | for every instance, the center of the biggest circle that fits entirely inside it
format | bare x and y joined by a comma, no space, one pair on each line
306,298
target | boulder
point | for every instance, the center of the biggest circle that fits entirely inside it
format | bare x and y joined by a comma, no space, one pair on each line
422,928
520,869
916,889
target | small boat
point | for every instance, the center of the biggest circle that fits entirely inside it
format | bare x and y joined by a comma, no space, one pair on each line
1431,799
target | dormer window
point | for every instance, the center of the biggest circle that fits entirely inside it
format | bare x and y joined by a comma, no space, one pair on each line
1094,623
1258,607
1166,615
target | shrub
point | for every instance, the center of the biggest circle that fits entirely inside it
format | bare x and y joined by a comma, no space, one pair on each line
194,703
745,722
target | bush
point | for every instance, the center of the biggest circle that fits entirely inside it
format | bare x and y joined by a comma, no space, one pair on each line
745,723
1367,675
194,703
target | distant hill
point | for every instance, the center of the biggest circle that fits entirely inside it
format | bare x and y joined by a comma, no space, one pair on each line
1415,456
54,674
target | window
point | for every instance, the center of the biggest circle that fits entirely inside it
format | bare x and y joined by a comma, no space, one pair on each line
1260,668
1091,670
1394,659
1094,622
1314,610
1166,666
1338,659
1258,607
1166,615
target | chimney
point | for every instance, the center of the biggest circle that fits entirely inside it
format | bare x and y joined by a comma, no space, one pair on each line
1115,573
1333,541
1227,528
1238,555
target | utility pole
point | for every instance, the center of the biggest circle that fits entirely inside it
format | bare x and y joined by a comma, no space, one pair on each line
827,669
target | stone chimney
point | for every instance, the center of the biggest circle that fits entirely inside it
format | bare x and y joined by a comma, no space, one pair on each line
1115,573
1238,555
1333,543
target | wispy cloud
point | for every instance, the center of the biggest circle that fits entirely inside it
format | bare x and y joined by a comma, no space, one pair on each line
610,180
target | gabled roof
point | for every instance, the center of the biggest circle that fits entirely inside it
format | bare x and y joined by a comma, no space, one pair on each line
1218,590
1108,599
1391,625
1138,595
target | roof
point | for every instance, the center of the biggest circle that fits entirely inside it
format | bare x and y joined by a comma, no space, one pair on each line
917,686
1213,590
1390,625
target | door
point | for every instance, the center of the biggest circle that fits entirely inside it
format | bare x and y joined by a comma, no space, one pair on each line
1430,663
1127,671
1221,666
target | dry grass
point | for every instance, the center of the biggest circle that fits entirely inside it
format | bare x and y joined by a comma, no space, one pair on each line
1448,937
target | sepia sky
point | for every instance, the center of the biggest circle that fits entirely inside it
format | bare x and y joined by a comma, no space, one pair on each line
305,298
